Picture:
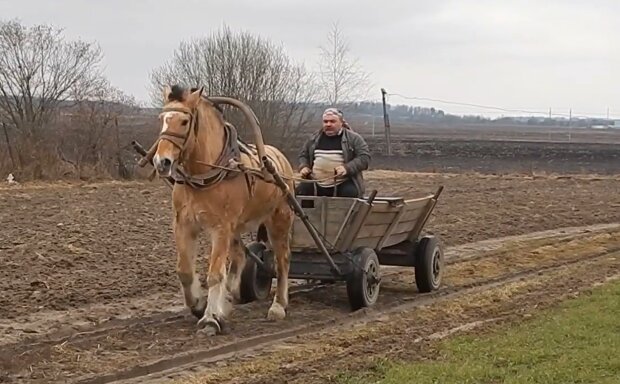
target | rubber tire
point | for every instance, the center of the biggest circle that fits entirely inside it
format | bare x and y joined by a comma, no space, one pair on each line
254,285
425,264
359,297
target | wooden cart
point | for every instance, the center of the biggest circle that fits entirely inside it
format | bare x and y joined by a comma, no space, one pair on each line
348,239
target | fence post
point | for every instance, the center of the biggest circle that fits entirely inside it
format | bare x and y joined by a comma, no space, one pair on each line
386,123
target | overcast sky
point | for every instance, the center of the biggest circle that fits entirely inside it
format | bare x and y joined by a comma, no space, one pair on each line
531,55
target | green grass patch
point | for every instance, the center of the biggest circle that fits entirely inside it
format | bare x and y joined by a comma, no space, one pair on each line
576,342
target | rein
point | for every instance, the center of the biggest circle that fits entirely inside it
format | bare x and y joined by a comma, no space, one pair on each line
258,172
227,165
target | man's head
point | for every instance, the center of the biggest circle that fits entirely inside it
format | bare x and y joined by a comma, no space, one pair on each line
332,121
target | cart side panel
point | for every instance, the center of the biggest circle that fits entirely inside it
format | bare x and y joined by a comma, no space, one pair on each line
377,234
326,214
382,212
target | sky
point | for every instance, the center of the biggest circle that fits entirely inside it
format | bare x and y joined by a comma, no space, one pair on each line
514,54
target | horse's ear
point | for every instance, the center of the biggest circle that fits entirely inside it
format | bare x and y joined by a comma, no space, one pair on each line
167,92
194,97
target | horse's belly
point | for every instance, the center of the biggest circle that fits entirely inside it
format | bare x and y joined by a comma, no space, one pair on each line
255,215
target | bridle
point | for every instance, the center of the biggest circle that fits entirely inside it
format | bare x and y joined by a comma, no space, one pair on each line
220,169
180,140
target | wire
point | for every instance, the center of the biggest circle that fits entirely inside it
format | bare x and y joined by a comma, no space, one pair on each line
497,108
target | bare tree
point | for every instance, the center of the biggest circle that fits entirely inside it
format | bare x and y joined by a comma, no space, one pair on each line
92,129
342,77
38,71
249,68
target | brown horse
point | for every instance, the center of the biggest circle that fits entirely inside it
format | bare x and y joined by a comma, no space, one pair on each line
196,143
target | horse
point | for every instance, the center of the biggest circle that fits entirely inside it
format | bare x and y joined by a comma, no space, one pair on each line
214,192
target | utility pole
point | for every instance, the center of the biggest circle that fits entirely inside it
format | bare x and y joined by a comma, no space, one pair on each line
386,122
570,119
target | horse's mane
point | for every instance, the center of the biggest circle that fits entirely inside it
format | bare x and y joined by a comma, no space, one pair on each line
177,92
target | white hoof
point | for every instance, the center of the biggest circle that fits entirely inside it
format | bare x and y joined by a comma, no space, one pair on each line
209,326
276,312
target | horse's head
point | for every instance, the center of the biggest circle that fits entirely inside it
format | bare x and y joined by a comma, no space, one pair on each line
179,120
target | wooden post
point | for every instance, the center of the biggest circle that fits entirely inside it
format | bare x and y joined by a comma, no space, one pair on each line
8,144
386,123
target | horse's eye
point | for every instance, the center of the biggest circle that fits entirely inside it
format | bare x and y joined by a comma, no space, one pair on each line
184,122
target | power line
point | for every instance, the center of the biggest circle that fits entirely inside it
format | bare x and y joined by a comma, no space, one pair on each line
547,113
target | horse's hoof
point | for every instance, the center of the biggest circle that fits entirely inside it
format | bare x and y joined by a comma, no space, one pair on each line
209,327
200,307
208,330
276,312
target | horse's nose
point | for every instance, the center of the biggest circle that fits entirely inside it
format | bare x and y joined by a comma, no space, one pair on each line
163,165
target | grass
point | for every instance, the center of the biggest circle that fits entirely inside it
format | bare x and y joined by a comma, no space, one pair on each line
577,342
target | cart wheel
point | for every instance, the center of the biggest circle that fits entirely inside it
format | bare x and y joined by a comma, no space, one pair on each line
255,284
429,264
363,286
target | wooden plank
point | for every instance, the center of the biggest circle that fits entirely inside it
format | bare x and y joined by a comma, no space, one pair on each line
355,225
391,227
300,236
346,224
371,242
381,217
372,230
417,229
395,239
419,202
409,221
381,229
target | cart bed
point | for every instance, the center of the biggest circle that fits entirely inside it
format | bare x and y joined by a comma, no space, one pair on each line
349,223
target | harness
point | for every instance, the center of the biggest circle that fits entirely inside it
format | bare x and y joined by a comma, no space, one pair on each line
227,166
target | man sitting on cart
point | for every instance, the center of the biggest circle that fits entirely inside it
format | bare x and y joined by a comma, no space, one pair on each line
334,159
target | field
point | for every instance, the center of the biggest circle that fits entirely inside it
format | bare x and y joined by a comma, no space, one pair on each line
90,294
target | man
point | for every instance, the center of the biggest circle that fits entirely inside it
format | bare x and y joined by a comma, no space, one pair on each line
334,158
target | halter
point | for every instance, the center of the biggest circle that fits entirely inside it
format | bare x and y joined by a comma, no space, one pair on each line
179,140
220,169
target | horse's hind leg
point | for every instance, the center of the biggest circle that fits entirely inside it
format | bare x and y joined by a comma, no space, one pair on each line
186,238
237,263
278,227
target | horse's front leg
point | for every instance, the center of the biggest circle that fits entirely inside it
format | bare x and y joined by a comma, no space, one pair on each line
186,239
219,303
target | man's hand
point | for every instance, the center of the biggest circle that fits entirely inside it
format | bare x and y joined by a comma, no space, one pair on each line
305,172
340,171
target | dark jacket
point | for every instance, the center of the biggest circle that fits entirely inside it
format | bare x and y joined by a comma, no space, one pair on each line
356,156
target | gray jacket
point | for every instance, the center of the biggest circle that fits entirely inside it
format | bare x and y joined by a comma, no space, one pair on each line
356,156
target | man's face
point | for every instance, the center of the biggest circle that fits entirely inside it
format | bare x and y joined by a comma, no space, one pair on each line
331,124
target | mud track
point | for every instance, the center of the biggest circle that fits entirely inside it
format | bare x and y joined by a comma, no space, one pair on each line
135,347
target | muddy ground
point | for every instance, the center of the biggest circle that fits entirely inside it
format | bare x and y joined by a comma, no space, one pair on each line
88,286
65,246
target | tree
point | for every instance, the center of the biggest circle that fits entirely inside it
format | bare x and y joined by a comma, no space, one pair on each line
38,71
246,67
342,77
93,130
